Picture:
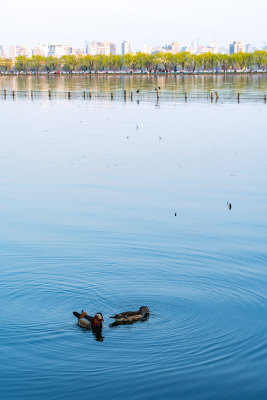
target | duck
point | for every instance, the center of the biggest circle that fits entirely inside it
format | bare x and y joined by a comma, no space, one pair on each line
86,321
131,316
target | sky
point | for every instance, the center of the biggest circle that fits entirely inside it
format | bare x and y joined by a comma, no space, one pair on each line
150,22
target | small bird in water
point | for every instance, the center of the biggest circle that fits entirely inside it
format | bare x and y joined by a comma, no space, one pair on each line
86,321
229,205
131,316
137,91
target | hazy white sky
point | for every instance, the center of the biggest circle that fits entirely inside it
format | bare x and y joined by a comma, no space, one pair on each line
140,21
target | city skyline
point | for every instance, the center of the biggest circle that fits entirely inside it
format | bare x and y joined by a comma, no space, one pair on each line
107,48
145,23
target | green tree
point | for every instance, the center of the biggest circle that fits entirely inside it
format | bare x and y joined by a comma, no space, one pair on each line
132,60
69,63
260,58
52,63
183,58
87,63
165,60
118,61
5,64
22,64
223,60
37,63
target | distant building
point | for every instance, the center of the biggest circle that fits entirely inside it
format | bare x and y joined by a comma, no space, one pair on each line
248,48
188,49
213,48
125,47
100,48
202,49
175,47
146,49
223,50
2,51
236,47
41,49
14,51
157,49
59,50
194,46
19,50
172,48
78,52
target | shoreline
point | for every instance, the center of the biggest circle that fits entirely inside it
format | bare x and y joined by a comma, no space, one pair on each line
113,74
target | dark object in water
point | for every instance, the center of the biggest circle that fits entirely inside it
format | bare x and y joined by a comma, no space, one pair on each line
229,205
137,91
131,316
86,321
175,214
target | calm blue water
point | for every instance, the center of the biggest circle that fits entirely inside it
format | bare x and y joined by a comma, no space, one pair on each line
88,196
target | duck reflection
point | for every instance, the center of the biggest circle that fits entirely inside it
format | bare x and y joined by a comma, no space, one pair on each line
97,332
116,323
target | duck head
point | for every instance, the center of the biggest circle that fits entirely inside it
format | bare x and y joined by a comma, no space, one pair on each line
144,310
99,316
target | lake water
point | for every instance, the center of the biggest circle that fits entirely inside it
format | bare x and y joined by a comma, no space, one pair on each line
89,192
172,88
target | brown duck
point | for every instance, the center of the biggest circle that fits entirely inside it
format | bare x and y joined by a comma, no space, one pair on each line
86,321
131,316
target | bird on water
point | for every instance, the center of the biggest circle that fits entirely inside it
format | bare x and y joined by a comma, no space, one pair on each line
229,205
86,321
131,316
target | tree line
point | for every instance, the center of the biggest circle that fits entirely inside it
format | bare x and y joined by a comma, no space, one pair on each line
159,62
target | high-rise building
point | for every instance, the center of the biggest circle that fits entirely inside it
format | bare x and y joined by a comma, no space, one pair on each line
146,49
223,50
78,52
101,48
175,47
14,51
248,48
2,51
18,50
125,47
236,47
59,50
41,49
213,48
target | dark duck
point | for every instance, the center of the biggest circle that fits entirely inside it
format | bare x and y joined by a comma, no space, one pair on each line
131,316
86,321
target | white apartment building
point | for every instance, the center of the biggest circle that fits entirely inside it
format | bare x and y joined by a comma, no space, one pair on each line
175,47
213,48
41,49
236,47
19,50
125,47
146,49
101,48
2,51
59,50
